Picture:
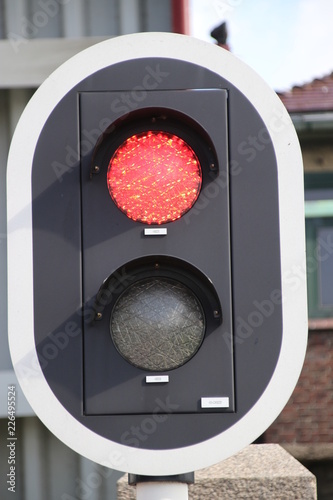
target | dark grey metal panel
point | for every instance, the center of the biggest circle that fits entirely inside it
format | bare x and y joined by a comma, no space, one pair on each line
110,240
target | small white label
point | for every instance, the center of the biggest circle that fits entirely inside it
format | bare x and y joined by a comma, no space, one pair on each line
155,231
157,379
215,402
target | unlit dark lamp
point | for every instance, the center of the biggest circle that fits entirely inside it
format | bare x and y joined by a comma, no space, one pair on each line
157,324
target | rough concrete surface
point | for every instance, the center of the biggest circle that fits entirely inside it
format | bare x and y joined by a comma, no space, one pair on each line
258,472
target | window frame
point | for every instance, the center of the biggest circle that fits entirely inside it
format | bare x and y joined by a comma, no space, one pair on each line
318,214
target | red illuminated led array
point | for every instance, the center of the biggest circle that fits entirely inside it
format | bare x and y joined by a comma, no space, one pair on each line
154,177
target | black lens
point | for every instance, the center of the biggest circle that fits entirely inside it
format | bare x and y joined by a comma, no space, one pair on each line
157,324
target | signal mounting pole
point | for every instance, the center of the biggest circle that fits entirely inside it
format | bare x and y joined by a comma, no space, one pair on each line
161,488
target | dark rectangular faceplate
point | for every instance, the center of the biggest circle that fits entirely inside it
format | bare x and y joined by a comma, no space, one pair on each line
201,237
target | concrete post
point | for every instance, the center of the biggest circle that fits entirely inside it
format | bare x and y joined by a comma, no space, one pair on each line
262,472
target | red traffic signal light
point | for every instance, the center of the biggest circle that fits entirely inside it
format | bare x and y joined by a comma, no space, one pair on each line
154,177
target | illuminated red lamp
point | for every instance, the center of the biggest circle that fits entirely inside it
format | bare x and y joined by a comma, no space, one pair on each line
154,177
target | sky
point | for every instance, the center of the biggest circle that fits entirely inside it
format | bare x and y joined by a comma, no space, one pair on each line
288,42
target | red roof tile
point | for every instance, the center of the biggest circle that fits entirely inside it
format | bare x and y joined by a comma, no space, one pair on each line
314,96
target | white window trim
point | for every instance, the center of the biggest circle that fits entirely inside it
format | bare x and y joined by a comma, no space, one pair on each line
27,63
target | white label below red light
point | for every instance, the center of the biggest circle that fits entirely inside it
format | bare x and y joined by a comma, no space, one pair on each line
155,231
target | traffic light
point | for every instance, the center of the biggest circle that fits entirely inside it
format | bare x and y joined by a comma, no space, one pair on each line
155,219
